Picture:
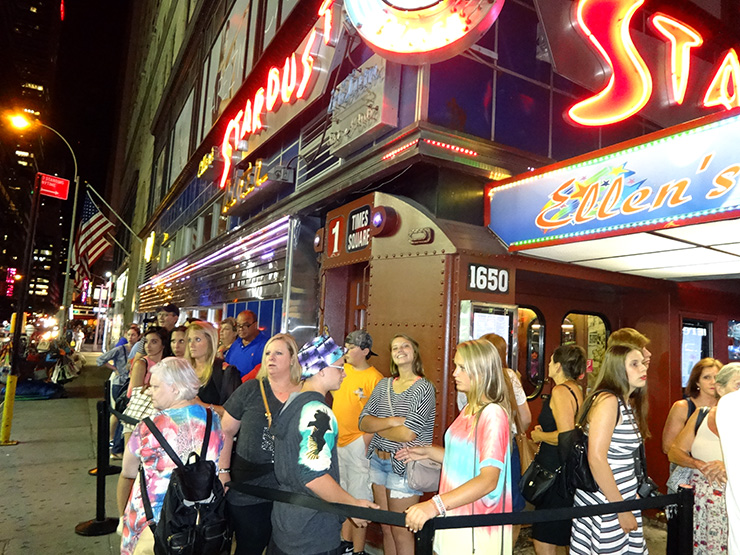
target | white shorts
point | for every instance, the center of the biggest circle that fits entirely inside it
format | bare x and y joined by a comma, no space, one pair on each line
354,470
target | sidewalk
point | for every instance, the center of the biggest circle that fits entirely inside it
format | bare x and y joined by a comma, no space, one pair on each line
45,490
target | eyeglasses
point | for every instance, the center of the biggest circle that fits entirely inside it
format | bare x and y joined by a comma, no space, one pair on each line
240,326
337,367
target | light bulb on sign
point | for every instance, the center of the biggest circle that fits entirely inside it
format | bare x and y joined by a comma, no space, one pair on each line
421,31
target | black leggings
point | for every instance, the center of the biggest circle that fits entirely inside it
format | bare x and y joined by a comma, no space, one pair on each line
252,527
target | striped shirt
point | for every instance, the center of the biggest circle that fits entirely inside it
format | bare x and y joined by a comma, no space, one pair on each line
602,533
417,404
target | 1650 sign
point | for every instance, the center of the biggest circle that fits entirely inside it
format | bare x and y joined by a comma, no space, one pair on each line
488,278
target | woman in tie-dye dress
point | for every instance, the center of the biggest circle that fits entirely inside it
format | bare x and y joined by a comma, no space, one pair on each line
182,422
475,459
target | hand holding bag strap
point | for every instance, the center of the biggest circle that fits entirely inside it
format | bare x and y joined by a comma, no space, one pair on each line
268,414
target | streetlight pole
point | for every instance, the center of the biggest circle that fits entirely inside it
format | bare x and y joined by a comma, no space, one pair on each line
19,311
65,295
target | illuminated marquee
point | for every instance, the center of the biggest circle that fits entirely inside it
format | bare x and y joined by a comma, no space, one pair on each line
284,85
606,24
421,31
669,180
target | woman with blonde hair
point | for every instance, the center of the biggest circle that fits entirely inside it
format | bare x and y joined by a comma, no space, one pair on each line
475,459
218,379
246,413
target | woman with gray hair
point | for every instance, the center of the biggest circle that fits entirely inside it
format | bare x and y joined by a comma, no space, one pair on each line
174,387
697,446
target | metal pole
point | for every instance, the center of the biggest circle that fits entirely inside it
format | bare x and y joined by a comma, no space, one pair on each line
685,543
19,311
424,539
66,294
101,525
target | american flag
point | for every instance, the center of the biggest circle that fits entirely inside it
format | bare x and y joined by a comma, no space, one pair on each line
90,243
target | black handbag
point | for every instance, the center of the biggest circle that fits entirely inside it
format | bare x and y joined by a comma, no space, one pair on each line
573,451
536,481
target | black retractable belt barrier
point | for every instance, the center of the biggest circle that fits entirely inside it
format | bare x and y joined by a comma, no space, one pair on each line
103,435
684,499
101,525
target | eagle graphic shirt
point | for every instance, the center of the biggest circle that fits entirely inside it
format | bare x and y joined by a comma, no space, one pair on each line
305,449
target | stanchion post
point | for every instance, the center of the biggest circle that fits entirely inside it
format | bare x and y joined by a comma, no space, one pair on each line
101,525
424,539
685,517
103,435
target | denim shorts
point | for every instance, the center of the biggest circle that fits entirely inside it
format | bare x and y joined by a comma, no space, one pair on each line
381,473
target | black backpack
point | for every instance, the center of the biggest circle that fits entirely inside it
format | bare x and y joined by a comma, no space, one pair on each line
193,519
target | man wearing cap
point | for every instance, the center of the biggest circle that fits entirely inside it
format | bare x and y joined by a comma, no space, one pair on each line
349,400
167,317
306,456
246,352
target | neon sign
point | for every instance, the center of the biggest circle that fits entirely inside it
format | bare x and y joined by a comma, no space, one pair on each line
671,180
421,31
606,25
283,86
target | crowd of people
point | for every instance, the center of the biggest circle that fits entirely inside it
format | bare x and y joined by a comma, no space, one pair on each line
273,427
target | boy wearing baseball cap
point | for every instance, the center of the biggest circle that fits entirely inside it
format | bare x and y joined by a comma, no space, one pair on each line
306,456
354,466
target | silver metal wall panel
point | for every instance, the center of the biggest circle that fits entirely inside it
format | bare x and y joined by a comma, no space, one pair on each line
241,266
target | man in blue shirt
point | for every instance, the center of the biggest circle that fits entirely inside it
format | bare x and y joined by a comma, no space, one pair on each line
246,352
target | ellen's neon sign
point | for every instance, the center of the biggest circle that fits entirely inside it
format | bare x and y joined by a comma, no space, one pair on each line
606,24
293,82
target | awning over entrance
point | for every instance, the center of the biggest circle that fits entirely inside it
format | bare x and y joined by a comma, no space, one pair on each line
666,205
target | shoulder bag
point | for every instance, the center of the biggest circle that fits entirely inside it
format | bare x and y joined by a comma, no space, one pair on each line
573,450
421,475
536,481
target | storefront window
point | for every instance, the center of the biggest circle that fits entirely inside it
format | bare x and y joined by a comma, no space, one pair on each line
531,365
733,332
181,138
696,344
589,331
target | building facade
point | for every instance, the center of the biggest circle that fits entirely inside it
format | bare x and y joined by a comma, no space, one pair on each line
276,155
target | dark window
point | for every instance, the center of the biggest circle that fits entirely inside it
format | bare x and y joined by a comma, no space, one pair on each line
517,42
462,108
569,139
522,114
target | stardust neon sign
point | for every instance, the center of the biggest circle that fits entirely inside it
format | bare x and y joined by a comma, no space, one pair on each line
421,31
606,24
285,85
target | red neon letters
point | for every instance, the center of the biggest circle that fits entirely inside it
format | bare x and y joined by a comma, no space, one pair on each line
606,24
282,87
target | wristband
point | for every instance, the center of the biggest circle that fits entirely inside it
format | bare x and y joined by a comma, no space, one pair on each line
224,470
437,500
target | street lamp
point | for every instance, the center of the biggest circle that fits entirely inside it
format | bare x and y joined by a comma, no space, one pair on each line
20,122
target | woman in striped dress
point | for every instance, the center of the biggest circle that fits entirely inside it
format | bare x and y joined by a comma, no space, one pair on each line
616,425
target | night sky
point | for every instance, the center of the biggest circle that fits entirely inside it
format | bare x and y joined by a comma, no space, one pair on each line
89,78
